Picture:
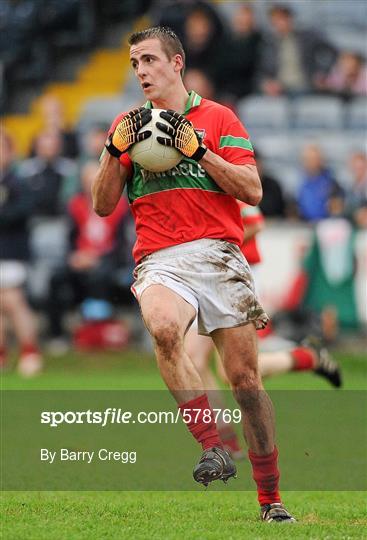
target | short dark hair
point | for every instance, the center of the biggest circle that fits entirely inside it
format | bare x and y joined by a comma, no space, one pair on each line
171,44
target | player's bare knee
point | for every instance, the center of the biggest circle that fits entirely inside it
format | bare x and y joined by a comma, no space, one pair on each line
244,377
246,386
166,336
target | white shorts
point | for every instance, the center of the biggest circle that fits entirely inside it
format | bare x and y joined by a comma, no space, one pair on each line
211,275
12,274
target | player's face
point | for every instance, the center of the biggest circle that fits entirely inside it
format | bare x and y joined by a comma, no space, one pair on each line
155,72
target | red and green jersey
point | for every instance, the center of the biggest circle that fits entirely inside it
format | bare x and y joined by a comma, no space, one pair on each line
184,203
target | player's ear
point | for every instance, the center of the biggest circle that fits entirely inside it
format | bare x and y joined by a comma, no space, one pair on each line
177,62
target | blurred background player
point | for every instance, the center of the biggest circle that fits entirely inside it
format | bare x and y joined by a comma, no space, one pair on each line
15,210
308,356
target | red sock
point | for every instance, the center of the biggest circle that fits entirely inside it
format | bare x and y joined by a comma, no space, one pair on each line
3,356
29,348
229,439
266,475
304,359
199,418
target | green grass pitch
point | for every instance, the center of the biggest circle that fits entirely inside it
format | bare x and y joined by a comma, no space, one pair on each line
171,515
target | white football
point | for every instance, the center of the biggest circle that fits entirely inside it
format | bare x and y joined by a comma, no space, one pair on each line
150,154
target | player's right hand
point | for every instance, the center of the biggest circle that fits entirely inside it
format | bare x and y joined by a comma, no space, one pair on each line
126,132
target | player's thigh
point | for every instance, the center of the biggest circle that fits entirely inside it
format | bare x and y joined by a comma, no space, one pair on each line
165,311
199,348
238,349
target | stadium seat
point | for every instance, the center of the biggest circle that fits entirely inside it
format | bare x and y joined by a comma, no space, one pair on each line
258,112
319,112
335,150
357,114
347,38
274,147
343,176
103,110
48,246
336,146
339,13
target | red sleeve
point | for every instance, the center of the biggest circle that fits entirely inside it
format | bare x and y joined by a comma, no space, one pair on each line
250,214
124,159
234,144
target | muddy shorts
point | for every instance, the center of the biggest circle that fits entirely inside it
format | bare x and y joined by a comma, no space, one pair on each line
211,275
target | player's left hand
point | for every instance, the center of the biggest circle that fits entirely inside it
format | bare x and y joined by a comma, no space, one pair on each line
182,135
127,131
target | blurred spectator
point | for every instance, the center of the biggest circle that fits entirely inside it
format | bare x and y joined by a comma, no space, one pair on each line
317,187
69,23
18,20
272,203
356,195
54,120
292,59
91,260
239,60
51,177
52,180
204,40
348,77
24,56
198,80
93,142
15,209
174,13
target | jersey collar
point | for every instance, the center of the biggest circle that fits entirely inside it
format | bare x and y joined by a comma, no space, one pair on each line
194,100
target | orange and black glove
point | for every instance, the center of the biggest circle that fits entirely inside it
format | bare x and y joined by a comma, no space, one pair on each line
182,135
126,132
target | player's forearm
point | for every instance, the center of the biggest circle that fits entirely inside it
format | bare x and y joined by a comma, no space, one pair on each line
107,186
240,181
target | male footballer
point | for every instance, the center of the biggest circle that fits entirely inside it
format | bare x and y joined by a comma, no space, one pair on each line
187,252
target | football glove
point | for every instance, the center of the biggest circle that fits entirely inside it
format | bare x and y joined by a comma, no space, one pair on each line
182,135
126,132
